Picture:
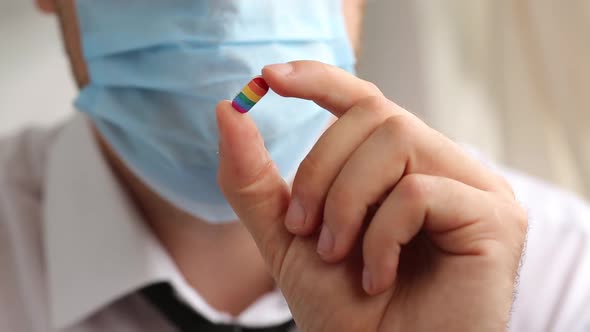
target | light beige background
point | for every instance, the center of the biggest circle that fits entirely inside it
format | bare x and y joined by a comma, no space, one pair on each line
34,84
509,77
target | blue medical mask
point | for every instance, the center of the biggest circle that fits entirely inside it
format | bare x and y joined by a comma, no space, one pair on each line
159,67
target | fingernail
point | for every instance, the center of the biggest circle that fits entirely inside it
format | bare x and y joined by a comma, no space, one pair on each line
295,218
326,241
281,68
367,282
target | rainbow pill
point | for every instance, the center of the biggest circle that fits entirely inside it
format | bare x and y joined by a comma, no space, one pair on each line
250,95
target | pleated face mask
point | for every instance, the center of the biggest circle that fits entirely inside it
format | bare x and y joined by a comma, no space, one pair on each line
158,68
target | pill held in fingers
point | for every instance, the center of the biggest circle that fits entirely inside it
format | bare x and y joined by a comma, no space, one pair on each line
250,95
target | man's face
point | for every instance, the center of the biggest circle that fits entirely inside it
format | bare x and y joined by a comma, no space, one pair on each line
353,13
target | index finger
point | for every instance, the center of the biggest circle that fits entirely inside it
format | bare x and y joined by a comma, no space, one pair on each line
328,86
339,91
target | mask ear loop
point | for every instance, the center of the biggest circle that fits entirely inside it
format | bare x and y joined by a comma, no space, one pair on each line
70,32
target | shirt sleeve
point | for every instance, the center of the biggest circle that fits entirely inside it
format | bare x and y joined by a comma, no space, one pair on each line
553,291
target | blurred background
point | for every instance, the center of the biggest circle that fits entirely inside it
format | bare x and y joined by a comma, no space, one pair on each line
35,86
508,77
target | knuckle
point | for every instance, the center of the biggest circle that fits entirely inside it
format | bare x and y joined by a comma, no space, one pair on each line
509,217
413,188
381,107
398,126
374,108
252,181
373,103
264,193
373,89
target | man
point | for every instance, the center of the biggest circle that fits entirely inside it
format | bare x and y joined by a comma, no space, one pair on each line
111,222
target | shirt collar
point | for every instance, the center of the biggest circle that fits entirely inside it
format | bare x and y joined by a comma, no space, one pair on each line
98,249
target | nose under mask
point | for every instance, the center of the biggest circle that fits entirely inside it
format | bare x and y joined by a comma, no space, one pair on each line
158,68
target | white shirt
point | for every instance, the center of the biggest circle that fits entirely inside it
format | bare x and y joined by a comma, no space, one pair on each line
73,251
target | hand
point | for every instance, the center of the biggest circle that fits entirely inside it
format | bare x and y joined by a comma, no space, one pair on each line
432,236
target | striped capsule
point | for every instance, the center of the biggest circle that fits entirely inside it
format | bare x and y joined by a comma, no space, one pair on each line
250,95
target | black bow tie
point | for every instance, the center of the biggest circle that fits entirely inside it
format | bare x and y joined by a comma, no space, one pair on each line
162,297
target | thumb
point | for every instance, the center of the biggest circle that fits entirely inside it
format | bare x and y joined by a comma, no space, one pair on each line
251,183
